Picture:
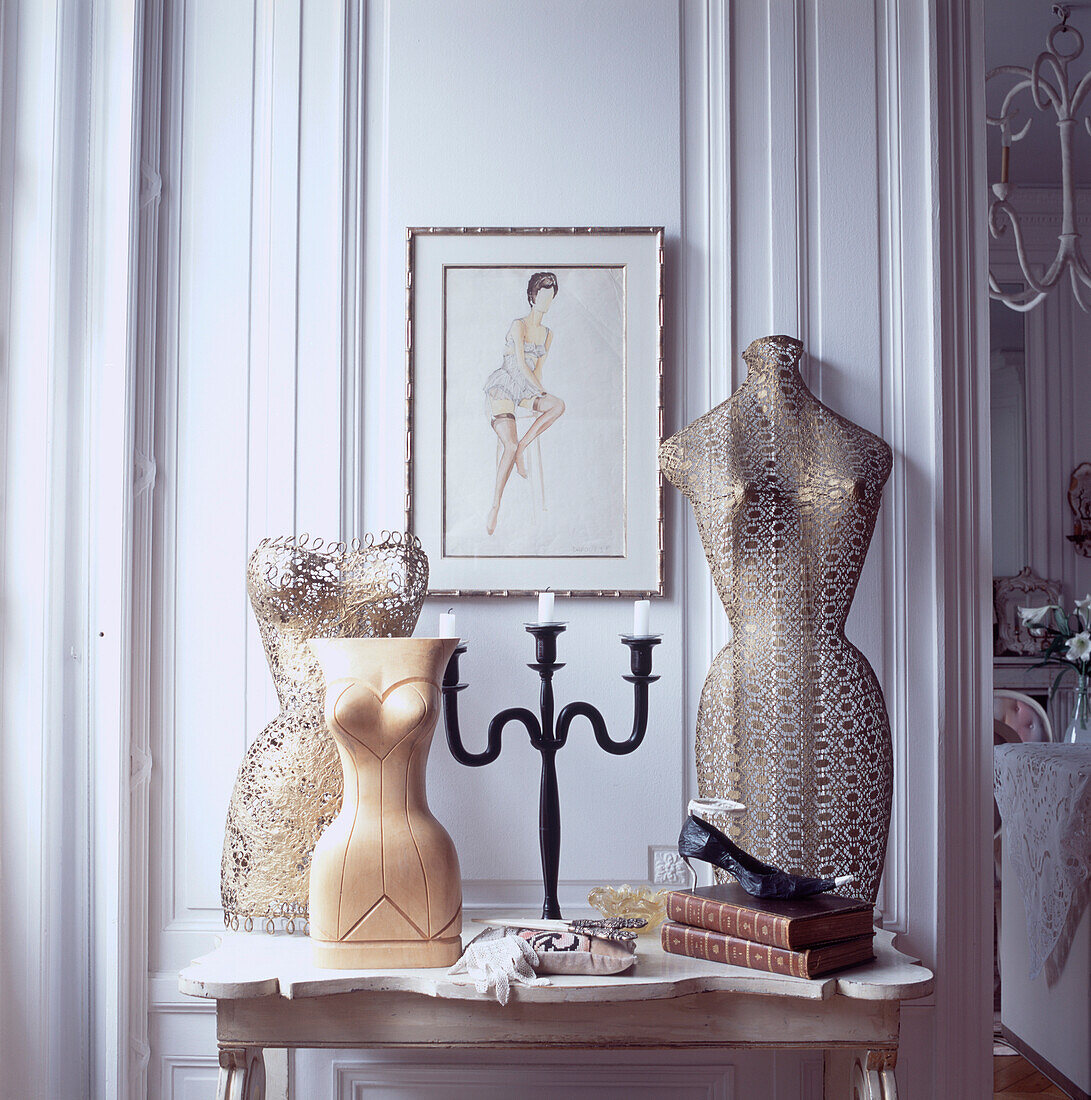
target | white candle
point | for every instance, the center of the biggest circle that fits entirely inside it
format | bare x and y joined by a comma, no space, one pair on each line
545,607
642,610
447,625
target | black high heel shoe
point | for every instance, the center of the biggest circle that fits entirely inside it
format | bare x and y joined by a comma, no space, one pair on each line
700,840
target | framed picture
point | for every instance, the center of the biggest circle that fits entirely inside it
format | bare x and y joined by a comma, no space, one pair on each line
535,361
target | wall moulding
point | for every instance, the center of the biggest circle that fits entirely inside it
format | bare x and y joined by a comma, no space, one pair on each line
1042,205
353,1080
705,297
963,1023
182,1075
896,310
164,997
133,1077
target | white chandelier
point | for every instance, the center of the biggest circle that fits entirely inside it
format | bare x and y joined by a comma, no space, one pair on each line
1049,86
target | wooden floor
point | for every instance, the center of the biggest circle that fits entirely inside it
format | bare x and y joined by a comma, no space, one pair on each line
1014,1078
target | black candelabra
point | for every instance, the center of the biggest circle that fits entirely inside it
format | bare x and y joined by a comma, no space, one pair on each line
548,736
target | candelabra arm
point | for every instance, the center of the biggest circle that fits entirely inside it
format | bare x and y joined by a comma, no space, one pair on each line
598,724
496,729
640,655
583,710
451,688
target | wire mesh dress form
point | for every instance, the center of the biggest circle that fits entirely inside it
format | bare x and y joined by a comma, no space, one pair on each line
792,720
288,787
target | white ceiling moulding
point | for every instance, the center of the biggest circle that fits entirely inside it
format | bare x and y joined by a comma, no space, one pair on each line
1040,207
1032,93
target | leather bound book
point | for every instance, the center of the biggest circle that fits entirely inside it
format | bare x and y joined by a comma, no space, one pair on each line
791,924
699,943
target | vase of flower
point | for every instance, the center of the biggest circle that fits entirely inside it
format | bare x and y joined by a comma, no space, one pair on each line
1066,642
1079,729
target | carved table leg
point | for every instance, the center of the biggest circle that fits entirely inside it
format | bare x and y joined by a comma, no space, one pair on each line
242,1074
860,1075
873,1076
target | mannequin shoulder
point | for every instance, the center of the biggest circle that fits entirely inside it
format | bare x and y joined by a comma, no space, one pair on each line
867,453
695,447
873,452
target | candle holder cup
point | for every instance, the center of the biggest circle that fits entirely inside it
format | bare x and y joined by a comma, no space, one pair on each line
549,733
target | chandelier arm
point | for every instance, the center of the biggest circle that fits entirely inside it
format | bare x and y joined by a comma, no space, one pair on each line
1007,114
1049,280
1075,252
1017,303
1038,81
1077,277
1026,81
1021,301
1079,264
1010,70
1081,91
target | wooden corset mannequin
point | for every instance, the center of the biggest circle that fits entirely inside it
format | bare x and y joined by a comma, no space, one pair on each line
792,720
385,884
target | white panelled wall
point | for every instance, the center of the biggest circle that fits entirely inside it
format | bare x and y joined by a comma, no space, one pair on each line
809,182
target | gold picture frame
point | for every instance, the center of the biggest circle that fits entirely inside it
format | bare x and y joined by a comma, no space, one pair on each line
531,448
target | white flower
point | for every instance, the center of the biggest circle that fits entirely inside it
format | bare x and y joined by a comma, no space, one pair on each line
1084,608
1079,647
1033,616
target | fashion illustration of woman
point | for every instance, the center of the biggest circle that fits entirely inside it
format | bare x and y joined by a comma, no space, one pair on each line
517,383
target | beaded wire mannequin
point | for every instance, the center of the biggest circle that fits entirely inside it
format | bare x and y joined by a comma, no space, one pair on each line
288,787
792,720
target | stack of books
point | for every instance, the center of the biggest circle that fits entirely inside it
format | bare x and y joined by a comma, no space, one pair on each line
804,937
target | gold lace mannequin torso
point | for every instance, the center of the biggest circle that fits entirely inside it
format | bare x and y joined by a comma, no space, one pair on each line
792,720
288,787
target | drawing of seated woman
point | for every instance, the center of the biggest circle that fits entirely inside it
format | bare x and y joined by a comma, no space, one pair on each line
517,382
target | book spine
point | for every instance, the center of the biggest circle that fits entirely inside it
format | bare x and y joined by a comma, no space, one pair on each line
727,919
699,943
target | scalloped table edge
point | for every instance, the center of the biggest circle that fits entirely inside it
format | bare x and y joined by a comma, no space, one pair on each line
247,965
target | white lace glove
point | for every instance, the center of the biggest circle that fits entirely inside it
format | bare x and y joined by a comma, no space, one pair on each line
497,959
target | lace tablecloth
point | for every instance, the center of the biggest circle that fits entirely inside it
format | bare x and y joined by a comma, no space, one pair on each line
1043,792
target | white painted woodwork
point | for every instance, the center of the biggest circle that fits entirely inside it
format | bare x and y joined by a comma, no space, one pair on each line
963,1021
485,1081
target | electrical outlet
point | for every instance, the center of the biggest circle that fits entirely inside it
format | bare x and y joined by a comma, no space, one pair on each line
665,867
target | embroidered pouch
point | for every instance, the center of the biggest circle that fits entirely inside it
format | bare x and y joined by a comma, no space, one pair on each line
572,953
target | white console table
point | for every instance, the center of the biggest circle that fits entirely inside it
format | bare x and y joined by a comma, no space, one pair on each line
268,994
